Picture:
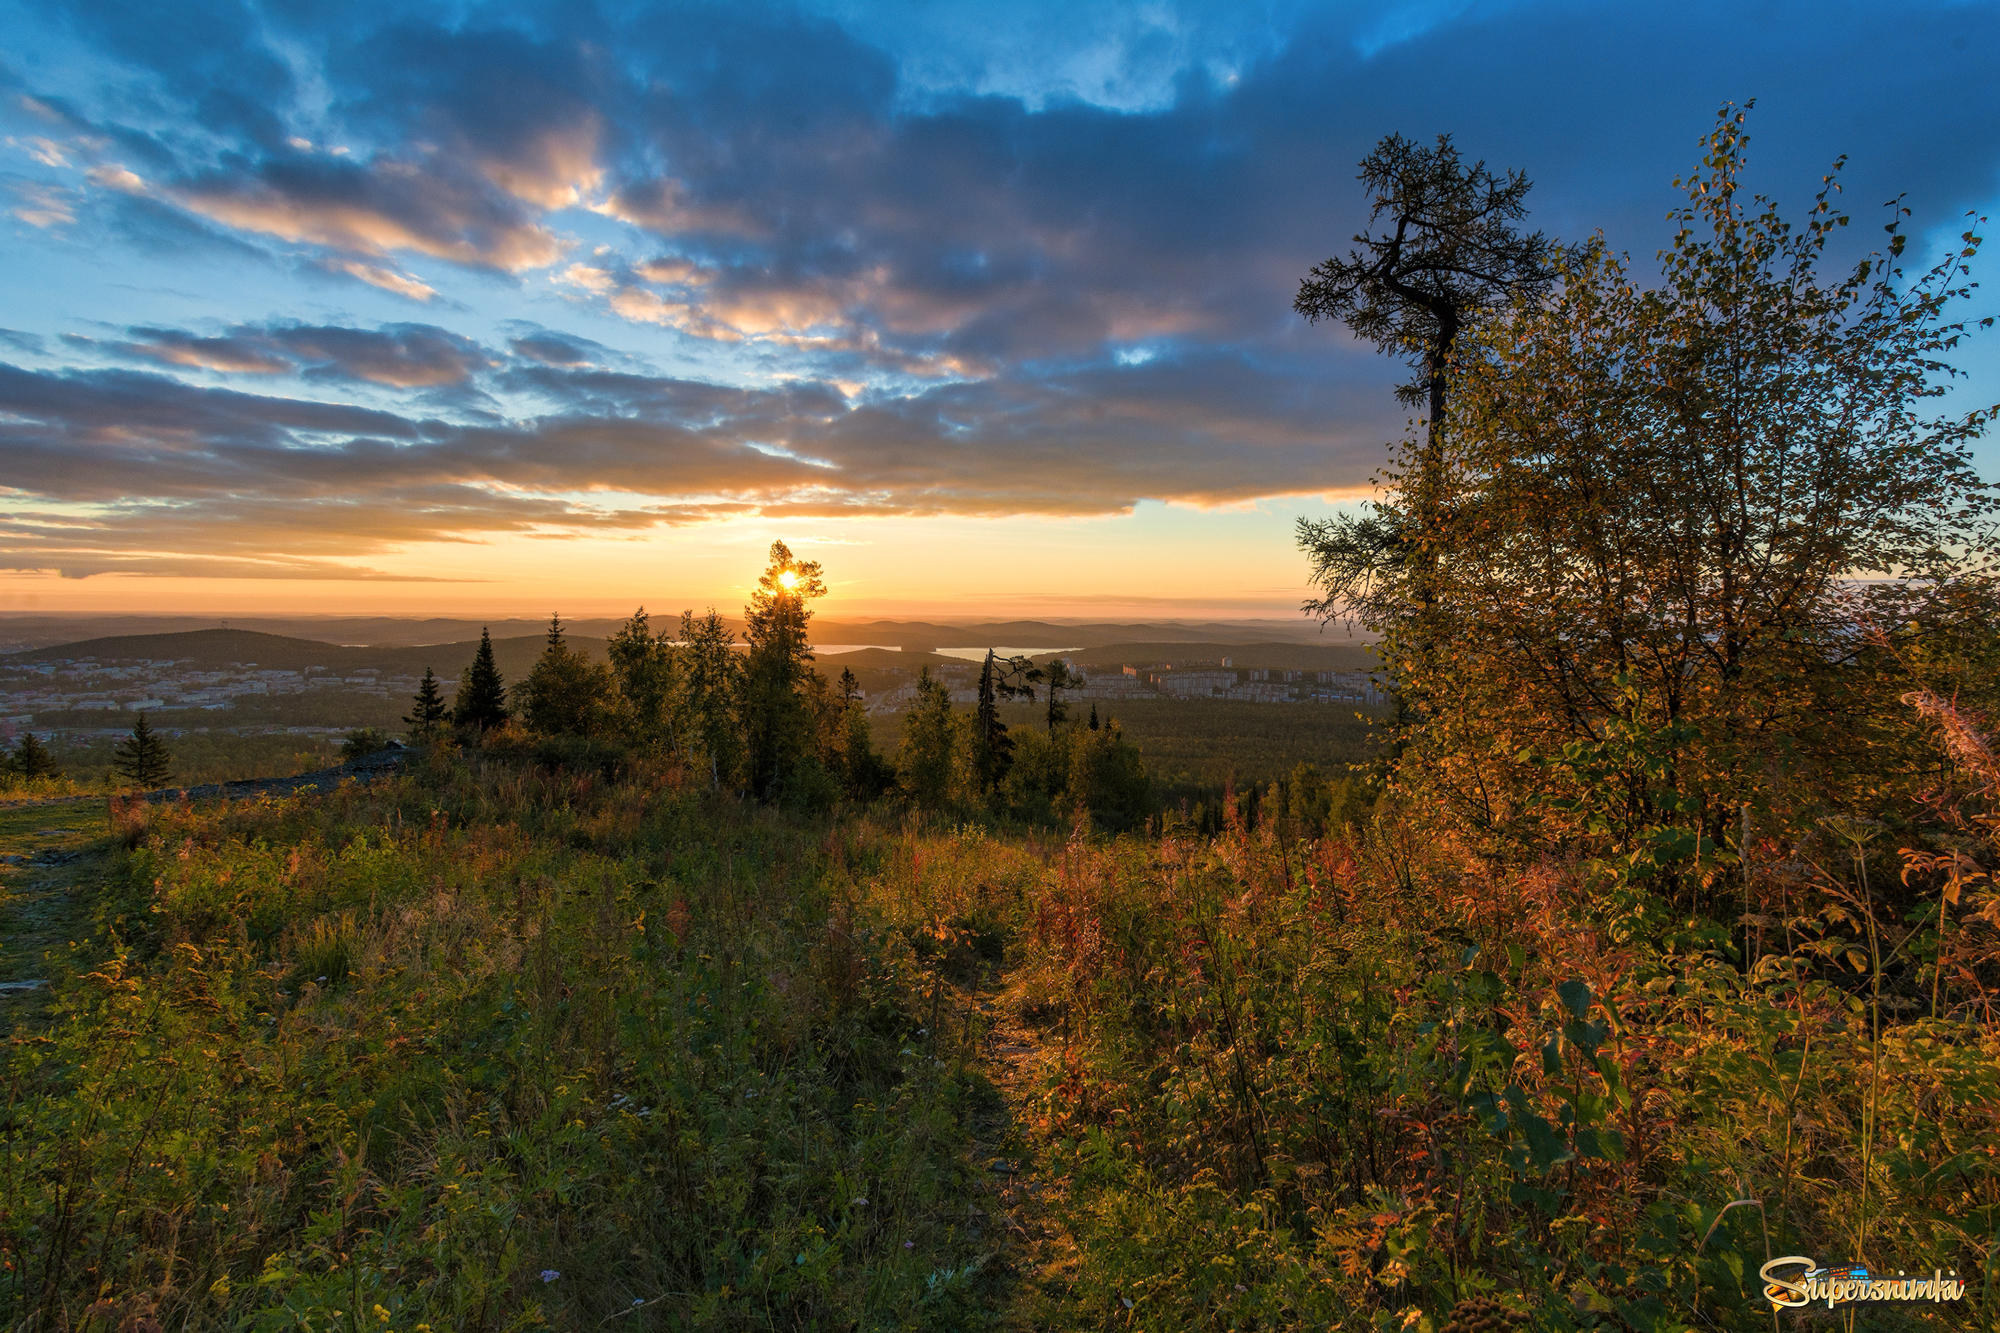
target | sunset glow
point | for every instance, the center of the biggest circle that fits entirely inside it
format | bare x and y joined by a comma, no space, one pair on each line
486,313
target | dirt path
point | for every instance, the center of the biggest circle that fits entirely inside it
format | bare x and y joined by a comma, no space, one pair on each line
52,855
1039,1254
54,852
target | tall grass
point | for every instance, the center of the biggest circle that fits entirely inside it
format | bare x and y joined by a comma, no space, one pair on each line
493,1050
1333,1083
497,1046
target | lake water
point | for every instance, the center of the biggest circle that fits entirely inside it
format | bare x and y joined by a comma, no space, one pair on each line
979,654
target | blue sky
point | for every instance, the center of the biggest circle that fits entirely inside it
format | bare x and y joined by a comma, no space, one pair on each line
456,306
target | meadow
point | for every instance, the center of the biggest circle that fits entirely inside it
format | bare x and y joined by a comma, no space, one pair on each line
495,1045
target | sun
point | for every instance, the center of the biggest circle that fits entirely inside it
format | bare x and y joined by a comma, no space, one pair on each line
788,580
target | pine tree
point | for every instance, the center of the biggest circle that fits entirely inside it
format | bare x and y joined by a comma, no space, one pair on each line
707,695
868,774
778,729
567,693
1093,717
481,703
142,759
646,667
1107,776
1060,678
427,709
923,763
999,678
994,746
32,759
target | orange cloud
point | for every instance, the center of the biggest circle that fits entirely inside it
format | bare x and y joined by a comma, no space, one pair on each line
388,279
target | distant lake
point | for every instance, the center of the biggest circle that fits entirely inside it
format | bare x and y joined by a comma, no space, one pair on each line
979,654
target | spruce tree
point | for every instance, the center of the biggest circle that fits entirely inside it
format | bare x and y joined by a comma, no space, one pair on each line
1060,678
142,758
646,667
999,678
924,763
427,709
994,746
868,774
32,759
707,695
778,729
567,694
481,703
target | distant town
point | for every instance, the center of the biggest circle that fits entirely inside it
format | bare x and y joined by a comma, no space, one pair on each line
1169,680
30,693
258,683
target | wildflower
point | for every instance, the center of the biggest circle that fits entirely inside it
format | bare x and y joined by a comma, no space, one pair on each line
550,1275
860,1202
909,1245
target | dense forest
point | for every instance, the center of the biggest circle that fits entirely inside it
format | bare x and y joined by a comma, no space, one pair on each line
1658,942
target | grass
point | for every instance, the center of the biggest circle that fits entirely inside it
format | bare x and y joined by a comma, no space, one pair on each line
1194,747
387,1059
505,1048
51,850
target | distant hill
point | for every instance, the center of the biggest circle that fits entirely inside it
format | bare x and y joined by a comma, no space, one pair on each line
1055,634
206,648
893,658
214,649
1254,656
879,669
876,669
25,632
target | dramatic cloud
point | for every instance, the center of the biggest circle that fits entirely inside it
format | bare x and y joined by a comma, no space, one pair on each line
703,262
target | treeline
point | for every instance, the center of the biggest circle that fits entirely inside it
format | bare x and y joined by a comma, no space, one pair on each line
141,760
763,722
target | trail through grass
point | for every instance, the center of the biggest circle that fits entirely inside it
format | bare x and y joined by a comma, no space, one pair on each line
52,854
1016,1054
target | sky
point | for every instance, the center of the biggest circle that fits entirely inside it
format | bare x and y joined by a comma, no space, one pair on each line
455,308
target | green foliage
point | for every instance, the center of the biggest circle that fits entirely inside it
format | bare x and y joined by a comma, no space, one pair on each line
428,712
1105,777
30,762
1664,506
1318,1083
865,773
646,669
777,717
143,759
924,760
991,749
567,693
364,742
205,756
709,687
411,1047
481,702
